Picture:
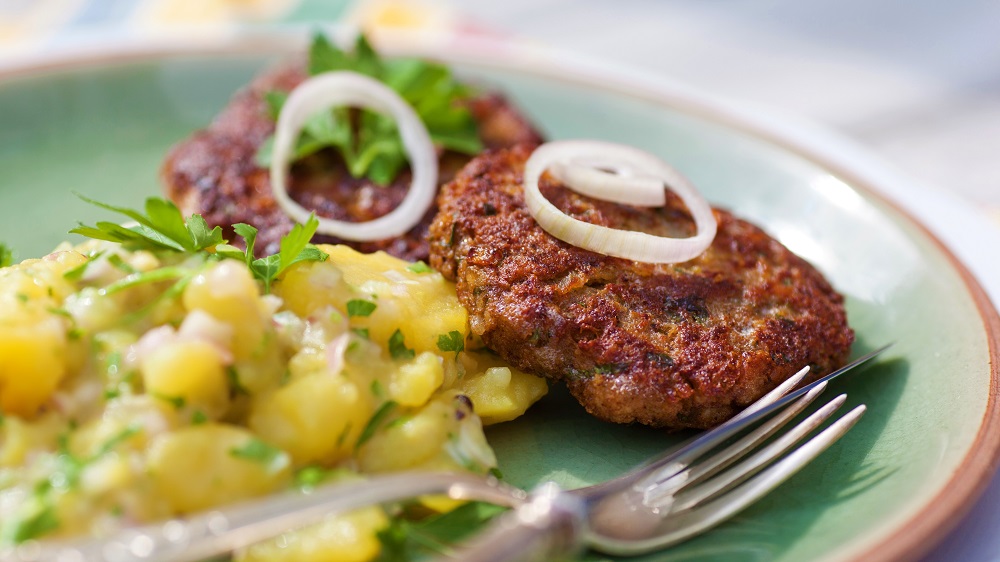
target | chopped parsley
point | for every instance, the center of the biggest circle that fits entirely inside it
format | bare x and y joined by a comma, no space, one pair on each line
397,347
120,264
151,276
309,477
376,421
361,333
358,307
233,376
452,341
368,141
35,518
419,267
178,402
6,255
117,439
405,540
272,458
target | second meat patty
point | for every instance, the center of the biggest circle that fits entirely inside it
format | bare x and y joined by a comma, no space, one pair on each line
214,172
671,345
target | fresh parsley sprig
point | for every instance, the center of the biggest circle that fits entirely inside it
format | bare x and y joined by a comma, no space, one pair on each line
368,141
294,248
163,228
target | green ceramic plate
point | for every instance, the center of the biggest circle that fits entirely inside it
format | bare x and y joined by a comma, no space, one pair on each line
888,491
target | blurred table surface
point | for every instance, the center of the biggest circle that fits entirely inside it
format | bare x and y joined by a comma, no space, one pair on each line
917,83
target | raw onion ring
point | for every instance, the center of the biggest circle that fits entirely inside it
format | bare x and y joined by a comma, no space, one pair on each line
323,91
636,177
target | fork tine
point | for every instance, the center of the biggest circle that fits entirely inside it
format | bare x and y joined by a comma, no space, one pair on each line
664,468
705,516
679,458
773,396
759,460
702,469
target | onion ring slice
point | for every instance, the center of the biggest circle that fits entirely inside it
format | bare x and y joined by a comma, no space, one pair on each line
323,91
636,177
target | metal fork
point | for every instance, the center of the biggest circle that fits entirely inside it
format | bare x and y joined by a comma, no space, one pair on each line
674,498
657,504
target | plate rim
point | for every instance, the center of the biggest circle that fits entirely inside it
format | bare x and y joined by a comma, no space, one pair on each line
914,536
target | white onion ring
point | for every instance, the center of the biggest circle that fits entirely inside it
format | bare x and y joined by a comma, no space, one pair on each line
323,91
577,163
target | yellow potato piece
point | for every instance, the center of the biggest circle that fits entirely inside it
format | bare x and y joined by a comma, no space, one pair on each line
188,370
413,383
307,287
32,363
316,418
345,538
500,393
229,293
199,467
422,306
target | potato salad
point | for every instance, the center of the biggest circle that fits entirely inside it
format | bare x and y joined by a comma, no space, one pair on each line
156,371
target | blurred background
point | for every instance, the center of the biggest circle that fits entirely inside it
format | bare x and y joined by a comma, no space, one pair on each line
917,82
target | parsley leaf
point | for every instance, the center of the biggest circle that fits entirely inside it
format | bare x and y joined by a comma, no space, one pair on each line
141,278
6,255
161,228
397,347
369,142
452,341
295,247
359,307
419,267
405,540
272,458
117,439
377,419
35,518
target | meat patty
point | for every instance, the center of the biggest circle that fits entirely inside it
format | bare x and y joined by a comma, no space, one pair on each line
214,172
668,345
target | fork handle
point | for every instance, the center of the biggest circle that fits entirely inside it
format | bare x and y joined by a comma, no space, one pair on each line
220,532
548,527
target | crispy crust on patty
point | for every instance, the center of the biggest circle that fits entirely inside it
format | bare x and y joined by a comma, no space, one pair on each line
669,345
214,172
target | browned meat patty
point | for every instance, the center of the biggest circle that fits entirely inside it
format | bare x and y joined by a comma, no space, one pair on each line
214,172
669,345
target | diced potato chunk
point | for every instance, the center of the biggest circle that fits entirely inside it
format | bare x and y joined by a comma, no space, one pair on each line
501,393
32,362
199,467
345,538
413,383
440,436
316,418
307,287
229,293
188,370
422,306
